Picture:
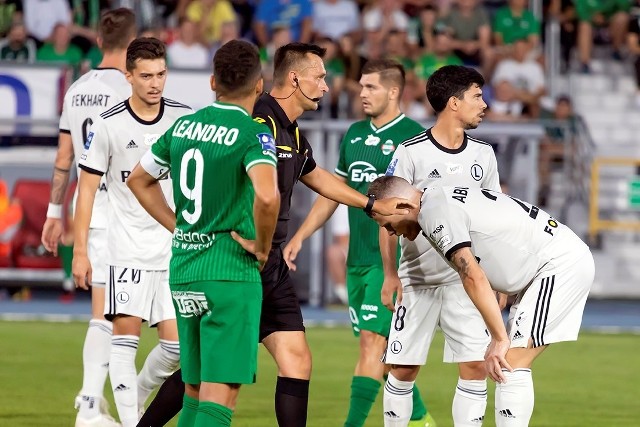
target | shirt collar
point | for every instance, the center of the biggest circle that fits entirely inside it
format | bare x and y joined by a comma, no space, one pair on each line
281,116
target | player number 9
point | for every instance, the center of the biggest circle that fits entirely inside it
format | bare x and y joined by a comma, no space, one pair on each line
192,193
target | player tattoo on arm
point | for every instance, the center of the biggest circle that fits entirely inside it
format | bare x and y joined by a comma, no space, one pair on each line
59,183
462,265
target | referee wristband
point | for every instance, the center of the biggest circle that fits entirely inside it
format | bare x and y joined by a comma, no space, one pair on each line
368,209
54,211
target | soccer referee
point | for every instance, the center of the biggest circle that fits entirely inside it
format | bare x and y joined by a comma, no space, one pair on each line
299,85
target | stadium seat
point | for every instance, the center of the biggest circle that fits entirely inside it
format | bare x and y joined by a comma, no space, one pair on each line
27,251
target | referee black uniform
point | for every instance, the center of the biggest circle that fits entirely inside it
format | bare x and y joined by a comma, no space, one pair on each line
280,306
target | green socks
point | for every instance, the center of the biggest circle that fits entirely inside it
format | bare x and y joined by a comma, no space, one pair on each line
363,393
213,415
189,412
419,408
203,414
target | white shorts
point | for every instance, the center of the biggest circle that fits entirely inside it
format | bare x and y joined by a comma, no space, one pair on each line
413,326
550,309
140,293
97,253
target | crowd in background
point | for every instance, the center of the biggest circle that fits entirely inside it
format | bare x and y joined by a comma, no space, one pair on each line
502,38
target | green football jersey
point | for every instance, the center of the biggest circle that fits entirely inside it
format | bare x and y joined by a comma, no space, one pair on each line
209,154
365,153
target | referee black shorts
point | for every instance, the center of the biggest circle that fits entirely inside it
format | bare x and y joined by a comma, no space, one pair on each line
280,306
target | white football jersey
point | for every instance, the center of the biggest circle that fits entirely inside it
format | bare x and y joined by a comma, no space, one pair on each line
423,162
512,240
117,141
92,94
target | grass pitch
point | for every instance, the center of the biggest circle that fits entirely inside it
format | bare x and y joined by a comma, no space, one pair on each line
593,381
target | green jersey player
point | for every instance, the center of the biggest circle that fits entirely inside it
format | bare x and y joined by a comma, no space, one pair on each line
224,173
365,153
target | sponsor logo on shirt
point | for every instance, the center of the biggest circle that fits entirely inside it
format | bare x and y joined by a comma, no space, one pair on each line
444,241
363,172
434,174
356,139
151,138
190,304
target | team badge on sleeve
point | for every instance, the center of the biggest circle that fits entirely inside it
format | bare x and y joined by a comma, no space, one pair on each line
267,141
87,143
392,167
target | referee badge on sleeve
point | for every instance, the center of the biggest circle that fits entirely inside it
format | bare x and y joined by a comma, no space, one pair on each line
267,141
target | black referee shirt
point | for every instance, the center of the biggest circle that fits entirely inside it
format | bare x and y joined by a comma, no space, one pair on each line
295,156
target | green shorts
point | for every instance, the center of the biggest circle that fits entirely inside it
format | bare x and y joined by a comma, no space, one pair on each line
586,9
218,325
366,311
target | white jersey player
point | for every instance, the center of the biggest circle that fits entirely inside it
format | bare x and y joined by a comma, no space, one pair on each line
138,249
93,93
498,242
429,291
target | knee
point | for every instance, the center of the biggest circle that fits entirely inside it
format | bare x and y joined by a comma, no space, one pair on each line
404,372
472,371
372,345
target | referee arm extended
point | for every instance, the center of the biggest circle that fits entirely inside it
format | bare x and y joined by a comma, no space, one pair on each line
329,186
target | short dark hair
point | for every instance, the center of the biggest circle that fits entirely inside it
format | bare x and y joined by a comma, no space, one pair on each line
288,57
388,186
144,48
117,27
237,69
448,81
391,72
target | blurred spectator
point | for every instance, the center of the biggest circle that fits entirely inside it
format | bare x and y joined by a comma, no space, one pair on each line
297,15
335,18
16,46
280,37
422,19
210,15
245,11
378,20
470,29
187,51
41,16
601,13
10,219
336,253
147,14
230,31
353,62
396,47
524,75
556,143
515,22
442,55
10,12
84,22
504,106
60,49
633,41
564,12
334,65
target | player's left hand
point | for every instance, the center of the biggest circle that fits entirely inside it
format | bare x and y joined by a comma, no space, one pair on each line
291,251
495,359
393,206
247,245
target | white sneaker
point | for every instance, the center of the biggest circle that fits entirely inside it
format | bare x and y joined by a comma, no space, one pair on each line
101,420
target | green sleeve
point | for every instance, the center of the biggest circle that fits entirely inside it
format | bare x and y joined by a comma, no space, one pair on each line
341,167
260,147
161,149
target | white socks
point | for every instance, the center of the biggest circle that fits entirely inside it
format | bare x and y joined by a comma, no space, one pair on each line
161,362
469,403
95,360
514,399
397,402
122,369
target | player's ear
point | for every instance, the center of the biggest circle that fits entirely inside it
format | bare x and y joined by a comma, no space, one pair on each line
453,103
99,42
212,82
259,86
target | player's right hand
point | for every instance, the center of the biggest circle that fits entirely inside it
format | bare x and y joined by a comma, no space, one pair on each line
390,286
495,359
52,234
291,252
82,272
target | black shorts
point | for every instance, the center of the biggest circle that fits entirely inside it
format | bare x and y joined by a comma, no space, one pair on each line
280,306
